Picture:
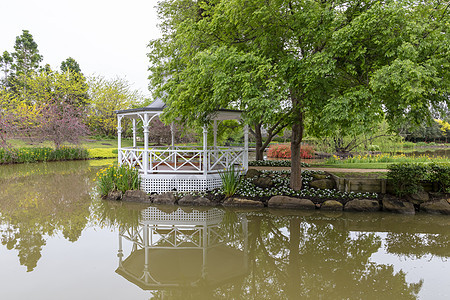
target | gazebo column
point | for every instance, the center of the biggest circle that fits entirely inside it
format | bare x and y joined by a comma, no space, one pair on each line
172,143
246,147
205,150
119,139
146,131
134,133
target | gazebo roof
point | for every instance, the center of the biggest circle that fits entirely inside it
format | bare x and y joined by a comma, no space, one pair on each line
157,107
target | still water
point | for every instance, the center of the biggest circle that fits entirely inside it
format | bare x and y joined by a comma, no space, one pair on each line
59,241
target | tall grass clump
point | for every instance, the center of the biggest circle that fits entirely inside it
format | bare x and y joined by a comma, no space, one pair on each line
231,179
117,178
30,155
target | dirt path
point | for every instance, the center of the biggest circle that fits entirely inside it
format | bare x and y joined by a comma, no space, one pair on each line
330,170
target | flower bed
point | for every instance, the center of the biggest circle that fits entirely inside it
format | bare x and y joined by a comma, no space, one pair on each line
274,163
284,151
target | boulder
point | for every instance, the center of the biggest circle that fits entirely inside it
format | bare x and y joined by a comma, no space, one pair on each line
252,173
190,200
322,184
418,198
263,182
319,176
167,198
436,207
290,202
136,196
362,205
238,202
114,195
398,206
332,205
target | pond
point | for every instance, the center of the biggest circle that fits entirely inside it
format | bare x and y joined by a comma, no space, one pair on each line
60,241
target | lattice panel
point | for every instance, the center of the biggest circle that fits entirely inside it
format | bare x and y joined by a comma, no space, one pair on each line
154,185
154,214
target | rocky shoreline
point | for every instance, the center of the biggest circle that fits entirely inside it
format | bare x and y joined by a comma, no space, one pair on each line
388,203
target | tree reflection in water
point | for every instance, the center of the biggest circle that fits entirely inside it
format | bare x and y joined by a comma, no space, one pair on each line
39,203
288,257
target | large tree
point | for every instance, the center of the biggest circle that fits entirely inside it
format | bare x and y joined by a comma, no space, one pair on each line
347,64
105,97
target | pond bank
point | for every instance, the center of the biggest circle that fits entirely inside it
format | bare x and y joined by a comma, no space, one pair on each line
387,203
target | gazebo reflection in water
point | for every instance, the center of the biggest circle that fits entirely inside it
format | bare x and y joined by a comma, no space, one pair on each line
184,249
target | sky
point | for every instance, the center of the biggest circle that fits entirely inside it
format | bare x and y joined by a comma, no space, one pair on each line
106,37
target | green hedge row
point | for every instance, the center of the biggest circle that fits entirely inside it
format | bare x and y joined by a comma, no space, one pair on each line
407,178
28,155
274,163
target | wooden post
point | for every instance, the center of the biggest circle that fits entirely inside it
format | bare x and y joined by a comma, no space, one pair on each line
245,147
146,131
119,140
205,150
134,133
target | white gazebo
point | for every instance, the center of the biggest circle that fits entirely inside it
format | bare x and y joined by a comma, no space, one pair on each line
169,168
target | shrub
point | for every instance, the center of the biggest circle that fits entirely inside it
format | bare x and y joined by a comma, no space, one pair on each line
230,181
284,151
275,163
440,174
406,177
114,178
373,148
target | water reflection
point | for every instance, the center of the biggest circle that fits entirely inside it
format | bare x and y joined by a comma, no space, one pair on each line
42,203
189,253
192,250
213,253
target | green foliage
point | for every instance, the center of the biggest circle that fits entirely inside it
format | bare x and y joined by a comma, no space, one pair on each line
406,177
231,179
29,155
102,152
275,163
105,97
116,178
440,174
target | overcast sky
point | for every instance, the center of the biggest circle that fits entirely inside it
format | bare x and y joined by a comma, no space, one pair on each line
106,37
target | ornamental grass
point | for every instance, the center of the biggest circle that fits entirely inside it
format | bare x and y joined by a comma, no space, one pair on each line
117,178
30,155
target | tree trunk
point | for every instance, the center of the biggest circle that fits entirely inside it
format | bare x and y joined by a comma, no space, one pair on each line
259,145
296,140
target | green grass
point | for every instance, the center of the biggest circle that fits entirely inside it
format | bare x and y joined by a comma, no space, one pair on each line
355,165
102,152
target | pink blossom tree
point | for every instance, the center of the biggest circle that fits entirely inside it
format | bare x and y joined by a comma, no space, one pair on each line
60,123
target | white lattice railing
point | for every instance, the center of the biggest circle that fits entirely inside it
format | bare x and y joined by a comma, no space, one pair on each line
183,160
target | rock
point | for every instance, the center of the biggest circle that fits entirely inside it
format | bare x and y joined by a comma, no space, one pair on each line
242,202
290,202
448,200
263,182
332,205
322,184
190,200
436,207
418,198
114,195
319,176
362,205
398,206
252,173
167,198
136,196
